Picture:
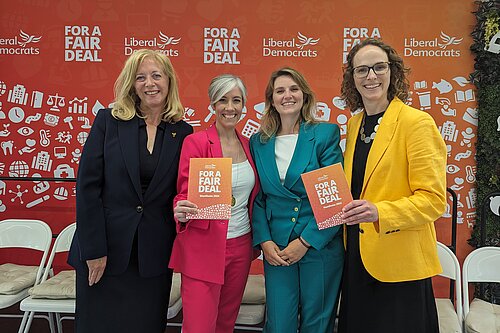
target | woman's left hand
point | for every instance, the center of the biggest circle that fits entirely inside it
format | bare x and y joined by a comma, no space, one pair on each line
358,211
293,252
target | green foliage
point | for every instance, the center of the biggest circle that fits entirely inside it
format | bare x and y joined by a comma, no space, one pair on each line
486,77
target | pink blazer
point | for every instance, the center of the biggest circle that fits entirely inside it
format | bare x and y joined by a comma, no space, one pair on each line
200,245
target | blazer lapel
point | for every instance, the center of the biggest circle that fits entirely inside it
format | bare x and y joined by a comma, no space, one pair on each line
213,139
268,166
352,135
168,154
382,139
301,155
128,134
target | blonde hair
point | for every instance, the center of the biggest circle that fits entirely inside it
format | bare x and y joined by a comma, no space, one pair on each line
126,99
271,121
222,84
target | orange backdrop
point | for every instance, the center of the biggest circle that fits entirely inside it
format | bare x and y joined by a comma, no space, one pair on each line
59,60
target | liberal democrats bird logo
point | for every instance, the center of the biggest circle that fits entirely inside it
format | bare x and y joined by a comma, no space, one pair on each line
168,40
447,40
25,39
306,41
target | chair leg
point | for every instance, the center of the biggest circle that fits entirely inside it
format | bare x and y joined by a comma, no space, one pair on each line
23,322
59,323
30,320
51,323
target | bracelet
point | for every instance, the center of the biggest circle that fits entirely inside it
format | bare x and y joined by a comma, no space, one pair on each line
303,242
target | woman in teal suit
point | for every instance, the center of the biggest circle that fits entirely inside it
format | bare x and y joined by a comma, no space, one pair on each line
303,265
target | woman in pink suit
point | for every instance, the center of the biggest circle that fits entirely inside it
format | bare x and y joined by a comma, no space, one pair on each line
214,256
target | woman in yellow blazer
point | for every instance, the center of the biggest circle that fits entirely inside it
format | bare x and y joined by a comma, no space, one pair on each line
395,160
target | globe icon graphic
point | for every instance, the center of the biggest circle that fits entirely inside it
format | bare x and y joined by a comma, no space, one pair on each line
3,88
19,169
82,137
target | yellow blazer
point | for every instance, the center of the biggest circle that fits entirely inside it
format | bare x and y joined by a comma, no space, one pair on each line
405,177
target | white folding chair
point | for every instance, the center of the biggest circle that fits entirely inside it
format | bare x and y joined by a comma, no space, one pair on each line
53,295
15,280
253,305
175,301
450,320
481,265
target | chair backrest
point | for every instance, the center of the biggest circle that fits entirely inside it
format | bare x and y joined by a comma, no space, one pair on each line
28,234
481,265
451,270
61,244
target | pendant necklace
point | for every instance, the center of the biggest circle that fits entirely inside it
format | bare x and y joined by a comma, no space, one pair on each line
362,135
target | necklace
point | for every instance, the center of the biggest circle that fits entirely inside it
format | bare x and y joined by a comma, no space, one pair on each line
237,167
362,136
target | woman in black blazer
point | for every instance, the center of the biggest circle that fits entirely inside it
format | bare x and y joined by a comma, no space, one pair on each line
125,187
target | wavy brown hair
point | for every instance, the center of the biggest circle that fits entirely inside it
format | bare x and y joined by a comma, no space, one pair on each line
398,86
271,121
126,99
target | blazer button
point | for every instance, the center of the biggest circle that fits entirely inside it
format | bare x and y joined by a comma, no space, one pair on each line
298,199
361,231
139,209
296,209
293,219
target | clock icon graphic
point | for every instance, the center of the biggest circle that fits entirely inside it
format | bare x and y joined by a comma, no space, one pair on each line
16,114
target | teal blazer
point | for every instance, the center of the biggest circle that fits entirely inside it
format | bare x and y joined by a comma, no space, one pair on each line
280,209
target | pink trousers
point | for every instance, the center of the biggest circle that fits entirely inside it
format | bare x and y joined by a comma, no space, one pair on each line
213,308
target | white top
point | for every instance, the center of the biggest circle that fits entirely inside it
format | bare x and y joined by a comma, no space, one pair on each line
283,150
243,183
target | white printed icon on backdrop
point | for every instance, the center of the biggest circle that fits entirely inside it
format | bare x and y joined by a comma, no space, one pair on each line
471,116
7,147
3,88
3,208
458,184
61,193
60,152
56,102
78,106
2,114
462,96
259,109
18,194
42,161
445,106
3,186
322,112
97,106
36,99
470,174
462,156
41,186
452,169
38,201
76,155
339,103
33,118
424,99
420,85
29,148
188,113
64,171
68,120
251,127
19,169
18,95
44,138
16,115
462,81
25,38
471,198
442,86
64,137
166,40
82,137
86,122
305,41
51,120
25,131
449,131
467,135
2,168
5,132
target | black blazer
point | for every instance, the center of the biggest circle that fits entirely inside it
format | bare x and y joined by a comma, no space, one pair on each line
110,206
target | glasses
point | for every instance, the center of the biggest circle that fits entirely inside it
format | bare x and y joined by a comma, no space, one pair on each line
380,68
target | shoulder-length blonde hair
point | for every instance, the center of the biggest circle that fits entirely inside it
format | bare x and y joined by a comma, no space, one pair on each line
271,121
126,98
398,86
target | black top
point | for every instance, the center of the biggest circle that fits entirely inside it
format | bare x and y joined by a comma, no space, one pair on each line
358,175
149,161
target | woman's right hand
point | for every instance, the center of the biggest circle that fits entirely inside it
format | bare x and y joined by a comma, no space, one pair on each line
96,269
271,250
182,208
